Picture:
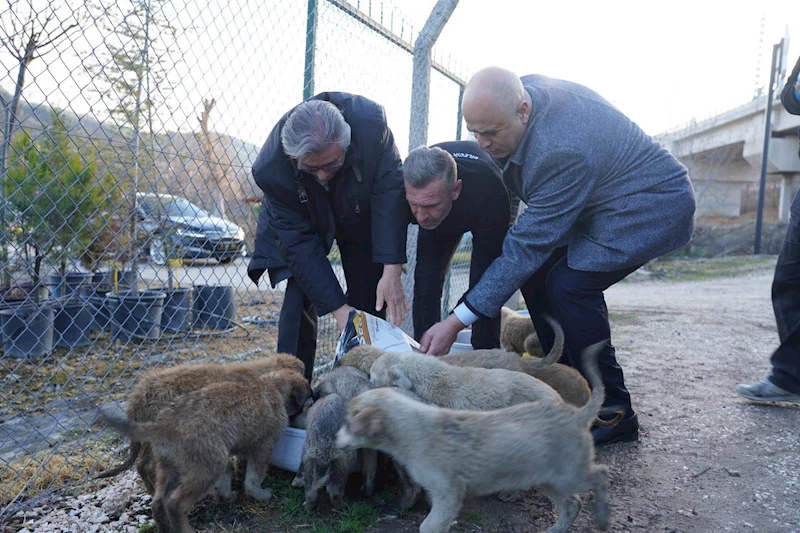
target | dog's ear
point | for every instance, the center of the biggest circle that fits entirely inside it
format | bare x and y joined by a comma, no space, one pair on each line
399,379
367,422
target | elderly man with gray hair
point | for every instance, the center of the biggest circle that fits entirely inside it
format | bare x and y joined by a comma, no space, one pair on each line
454,188
330,170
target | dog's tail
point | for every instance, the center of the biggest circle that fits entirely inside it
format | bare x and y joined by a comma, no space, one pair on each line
133,453
529,364
594,406
135,431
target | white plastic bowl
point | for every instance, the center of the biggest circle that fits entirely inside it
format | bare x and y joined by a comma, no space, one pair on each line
463,342
288,450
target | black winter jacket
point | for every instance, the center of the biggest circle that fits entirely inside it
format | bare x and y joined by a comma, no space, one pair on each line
365,205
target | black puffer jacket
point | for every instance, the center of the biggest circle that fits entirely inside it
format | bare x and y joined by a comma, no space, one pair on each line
365,204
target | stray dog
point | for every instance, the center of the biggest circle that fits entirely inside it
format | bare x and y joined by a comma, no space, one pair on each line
517,333
441,384
156,389
346,381
326,465
568,382
193,438
454,387
361,357
453,454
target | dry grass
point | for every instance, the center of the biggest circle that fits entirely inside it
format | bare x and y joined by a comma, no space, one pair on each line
30,475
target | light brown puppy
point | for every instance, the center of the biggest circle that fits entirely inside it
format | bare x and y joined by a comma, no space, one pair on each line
517,333
439,383
156,389
193,438
361,357
472,388
454,454
568,382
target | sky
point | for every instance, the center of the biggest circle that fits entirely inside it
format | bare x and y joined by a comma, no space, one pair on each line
661,63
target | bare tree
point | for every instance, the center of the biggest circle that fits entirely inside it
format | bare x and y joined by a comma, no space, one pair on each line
211,159
27,32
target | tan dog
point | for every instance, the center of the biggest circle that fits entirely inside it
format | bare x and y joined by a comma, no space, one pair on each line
454,454
156,389
361,357
441,384
517,333
193,438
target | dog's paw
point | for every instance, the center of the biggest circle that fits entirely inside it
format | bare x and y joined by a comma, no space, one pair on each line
298,481
409,498
515,496
262,495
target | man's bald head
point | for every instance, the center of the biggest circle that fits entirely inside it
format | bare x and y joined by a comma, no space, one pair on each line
495,85
496,108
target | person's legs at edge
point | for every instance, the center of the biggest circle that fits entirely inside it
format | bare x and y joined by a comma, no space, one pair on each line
783,383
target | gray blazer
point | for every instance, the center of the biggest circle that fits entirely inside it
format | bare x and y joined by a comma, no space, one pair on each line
593,181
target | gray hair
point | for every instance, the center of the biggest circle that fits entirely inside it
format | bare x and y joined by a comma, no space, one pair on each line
313,127
425,165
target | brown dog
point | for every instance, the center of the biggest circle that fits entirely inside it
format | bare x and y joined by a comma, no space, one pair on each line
193,438
156,389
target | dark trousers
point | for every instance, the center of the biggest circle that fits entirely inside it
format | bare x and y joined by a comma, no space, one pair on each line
435,252
575,299
786,304
297,326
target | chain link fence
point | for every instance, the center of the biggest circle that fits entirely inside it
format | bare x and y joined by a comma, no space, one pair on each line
127,206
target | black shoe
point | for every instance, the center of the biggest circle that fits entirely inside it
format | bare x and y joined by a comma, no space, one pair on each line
626,430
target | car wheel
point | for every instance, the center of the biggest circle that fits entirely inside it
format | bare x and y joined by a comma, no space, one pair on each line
158,254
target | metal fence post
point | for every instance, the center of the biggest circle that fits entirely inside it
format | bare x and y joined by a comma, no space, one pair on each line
776,52
311,43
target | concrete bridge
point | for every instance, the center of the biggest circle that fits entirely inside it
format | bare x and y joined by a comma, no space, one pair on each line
724,153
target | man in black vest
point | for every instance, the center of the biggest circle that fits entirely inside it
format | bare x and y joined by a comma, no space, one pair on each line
454,188
330,170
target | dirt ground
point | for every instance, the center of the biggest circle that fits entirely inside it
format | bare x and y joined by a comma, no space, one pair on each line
706,461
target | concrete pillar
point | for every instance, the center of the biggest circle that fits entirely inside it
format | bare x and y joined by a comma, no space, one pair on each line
718,198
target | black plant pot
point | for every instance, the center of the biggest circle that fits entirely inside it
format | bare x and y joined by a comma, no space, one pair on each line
175,318
27,330
214,306
67,285
73,323
135,315
95,296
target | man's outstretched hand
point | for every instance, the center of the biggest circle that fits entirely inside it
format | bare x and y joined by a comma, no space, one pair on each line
440,337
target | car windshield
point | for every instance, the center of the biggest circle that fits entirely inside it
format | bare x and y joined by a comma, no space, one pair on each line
175,207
